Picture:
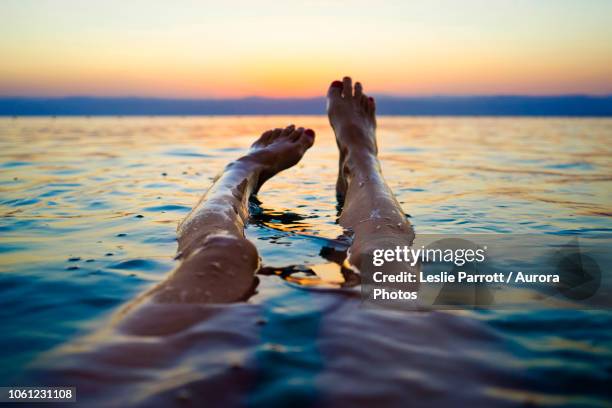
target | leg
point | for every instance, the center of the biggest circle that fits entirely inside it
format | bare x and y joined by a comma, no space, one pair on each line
370,209
218,262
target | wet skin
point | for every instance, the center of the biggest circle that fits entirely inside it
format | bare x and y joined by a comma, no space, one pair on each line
370,211
219,265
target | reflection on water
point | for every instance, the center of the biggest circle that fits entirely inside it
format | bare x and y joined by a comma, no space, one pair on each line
89,210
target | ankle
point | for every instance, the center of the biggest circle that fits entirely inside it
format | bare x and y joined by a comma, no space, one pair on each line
356,138
245,164
361,163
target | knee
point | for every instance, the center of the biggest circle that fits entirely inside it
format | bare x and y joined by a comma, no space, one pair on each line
228,249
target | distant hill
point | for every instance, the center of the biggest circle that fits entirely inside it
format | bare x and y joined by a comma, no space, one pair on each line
568,105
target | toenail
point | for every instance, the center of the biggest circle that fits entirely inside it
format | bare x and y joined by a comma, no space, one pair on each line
309,132
336,84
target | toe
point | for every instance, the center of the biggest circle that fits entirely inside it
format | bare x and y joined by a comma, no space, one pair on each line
335,90
358,90
296,134
288,130
275,135
347,87
371,104
263,139
307,138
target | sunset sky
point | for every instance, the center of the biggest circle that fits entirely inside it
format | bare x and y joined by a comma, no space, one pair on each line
295,48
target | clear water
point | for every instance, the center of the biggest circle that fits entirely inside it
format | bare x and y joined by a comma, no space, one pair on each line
90,207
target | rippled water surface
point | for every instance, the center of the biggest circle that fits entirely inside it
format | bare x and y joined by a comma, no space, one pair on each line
89,211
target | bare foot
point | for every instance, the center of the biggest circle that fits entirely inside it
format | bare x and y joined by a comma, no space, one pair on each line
352,116
279,149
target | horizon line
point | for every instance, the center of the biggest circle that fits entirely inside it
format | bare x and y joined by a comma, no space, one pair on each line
487,105
298,98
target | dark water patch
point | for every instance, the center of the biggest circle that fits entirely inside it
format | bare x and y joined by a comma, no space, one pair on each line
98,205
64,184
20,202
160,185
160,239
100,302
145,265
574,165
15,164
65,172
53,193
10,282
230,149
408,149
168,207
186,153
581,231
7,247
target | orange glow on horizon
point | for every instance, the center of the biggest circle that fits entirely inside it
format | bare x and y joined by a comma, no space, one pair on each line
196,50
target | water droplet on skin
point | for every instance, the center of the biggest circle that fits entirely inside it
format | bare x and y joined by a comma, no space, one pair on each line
215,265
361,184
378,227
200,274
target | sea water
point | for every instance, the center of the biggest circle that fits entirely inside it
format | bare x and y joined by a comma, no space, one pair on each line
89,212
